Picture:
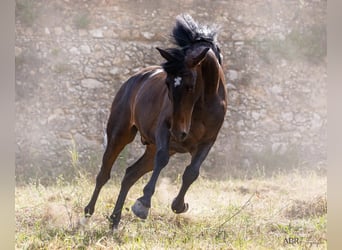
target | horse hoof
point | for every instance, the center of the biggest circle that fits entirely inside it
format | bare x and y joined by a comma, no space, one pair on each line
184,209
140,210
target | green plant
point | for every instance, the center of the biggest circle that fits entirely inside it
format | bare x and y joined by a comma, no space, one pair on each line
61,68
78,175
82,21
26,12
55,51
74,156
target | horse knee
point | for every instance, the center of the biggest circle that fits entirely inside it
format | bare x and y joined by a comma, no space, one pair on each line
162,157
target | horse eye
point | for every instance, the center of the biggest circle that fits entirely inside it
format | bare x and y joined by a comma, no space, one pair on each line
189,88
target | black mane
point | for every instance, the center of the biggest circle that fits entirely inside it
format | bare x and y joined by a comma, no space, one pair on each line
187,32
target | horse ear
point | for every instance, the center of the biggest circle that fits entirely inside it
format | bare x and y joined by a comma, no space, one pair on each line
165,54
200,57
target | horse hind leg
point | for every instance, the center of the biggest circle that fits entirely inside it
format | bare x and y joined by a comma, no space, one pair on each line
132,175
117,140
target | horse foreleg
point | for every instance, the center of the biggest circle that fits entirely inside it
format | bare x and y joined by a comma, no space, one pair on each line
191,173
143,204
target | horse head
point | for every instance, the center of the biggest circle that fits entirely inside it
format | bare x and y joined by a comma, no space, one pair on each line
183,81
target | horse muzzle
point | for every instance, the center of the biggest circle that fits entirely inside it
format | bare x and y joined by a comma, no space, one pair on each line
180,135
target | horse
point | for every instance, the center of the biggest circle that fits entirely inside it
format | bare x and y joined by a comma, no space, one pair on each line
177,107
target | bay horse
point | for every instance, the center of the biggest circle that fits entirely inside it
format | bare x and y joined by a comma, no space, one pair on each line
178,107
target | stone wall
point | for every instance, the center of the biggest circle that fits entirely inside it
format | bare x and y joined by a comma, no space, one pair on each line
72,56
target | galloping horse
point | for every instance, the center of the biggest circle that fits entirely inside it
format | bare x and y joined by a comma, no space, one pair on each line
178,107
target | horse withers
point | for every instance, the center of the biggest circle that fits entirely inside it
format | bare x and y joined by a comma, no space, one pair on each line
178,107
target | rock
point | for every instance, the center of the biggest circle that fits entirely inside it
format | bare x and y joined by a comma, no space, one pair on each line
288,116
107,63
85,49
47,31
147,35
237,37
74,50
82,32
239,43
240,124
110,33
58,31
300,118
276,89
114,71
97,33
91,83
231,86
57,114
256,115
225,124
316,122
88,73
17,51
233,75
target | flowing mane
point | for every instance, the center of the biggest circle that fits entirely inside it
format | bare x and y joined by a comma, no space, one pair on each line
187,32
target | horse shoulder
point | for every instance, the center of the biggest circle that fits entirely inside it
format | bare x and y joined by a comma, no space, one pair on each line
152,109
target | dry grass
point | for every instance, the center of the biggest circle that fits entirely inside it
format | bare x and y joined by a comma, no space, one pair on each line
231,214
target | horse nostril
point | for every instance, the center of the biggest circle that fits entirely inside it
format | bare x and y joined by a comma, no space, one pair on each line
183,135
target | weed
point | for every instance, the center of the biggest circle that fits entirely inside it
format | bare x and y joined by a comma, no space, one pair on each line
55,52
270,162
302,208
20,60
26,12
82,21
61,68
73,154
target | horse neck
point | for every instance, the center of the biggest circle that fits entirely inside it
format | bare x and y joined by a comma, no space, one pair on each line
212,75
